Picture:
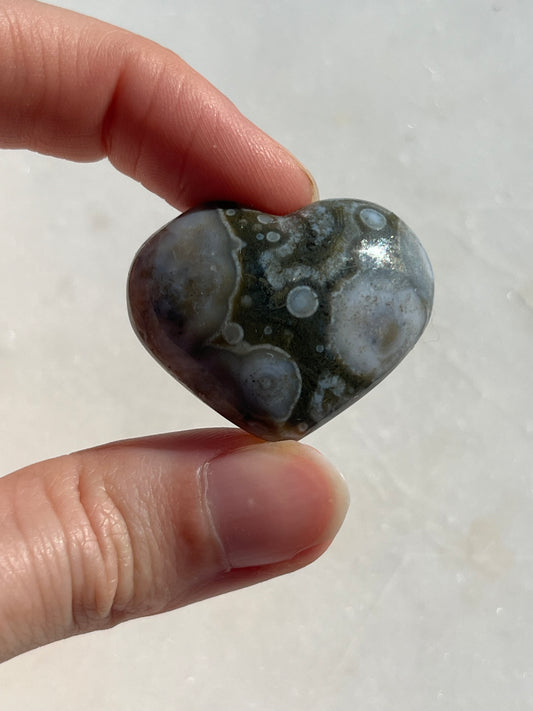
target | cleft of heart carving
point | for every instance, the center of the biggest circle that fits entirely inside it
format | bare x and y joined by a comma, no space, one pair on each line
280,323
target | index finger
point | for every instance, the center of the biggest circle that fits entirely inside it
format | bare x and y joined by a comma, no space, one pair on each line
78,88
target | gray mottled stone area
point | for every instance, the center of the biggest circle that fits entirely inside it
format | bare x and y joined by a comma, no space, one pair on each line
279,323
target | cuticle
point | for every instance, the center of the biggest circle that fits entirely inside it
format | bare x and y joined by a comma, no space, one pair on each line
202,482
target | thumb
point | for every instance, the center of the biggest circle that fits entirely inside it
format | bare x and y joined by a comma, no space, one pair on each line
144,526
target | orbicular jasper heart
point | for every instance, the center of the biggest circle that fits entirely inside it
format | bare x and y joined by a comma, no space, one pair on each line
279,323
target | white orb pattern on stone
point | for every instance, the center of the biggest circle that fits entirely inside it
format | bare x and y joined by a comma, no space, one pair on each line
373,219
270,382
374,319
302,302
233,332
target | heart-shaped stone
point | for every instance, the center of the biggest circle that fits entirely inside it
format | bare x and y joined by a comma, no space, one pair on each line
279,323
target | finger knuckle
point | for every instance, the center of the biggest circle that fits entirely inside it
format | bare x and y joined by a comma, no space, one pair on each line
100,550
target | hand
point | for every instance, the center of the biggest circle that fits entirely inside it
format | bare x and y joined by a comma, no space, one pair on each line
144,526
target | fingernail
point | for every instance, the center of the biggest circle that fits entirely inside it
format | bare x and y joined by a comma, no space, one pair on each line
270,501
314,187
315,195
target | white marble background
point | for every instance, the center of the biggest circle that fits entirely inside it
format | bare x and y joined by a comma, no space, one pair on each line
425,599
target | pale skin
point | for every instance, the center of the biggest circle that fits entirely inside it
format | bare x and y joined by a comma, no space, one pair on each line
144,526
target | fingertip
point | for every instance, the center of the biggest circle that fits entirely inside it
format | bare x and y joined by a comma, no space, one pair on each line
339,495
271,502
153,116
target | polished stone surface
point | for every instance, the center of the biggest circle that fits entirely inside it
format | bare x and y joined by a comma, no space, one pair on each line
279,323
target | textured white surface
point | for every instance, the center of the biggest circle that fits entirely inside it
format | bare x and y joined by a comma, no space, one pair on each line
424,601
